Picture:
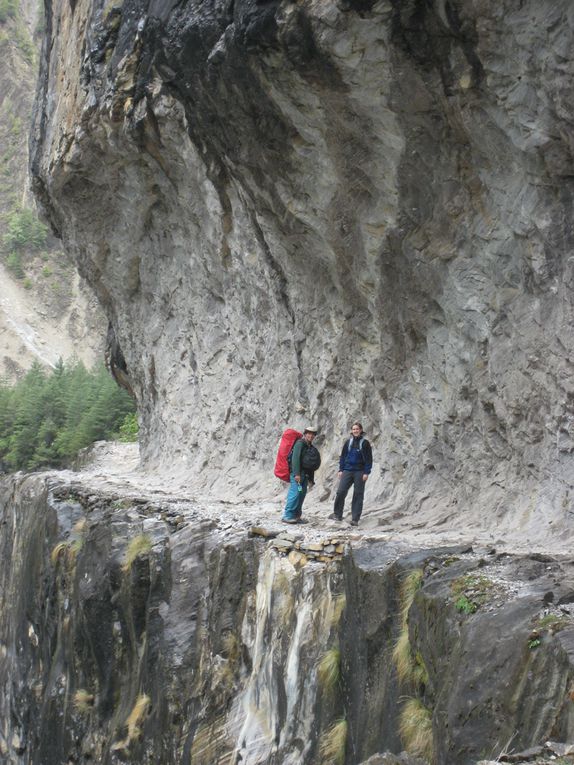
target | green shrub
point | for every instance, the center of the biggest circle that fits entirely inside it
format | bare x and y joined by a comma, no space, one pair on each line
8,10
25,231
465,606
27,283
470,592
15,128
46,272
14,264
40,22
129,428
24,43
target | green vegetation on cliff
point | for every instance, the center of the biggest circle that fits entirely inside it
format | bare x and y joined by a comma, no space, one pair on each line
24,237
24,230
8,9
46,418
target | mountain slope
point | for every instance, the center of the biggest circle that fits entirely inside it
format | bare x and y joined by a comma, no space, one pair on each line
45,310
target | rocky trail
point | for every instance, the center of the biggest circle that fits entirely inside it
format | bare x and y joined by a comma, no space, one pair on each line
113,469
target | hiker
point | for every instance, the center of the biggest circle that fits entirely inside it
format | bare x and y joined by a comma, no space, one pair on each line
355,465
299,478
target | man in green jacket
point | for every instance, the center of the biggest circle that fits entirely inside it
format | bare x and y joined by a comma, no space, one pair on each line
299,479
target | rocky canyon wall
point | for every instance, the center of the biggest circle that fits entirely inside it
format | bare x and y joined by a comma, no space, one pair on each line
137,630
319,210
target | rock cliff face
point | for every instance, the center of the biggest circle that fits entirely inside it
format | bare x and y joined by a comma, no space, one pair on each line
136,629
309,210
295,211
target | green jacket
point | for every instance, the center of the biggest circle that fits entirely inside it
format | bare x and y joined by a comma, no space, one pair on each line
296,455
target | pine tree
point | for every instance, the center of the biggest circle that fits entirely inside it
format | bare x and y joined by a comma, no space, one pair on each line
47,419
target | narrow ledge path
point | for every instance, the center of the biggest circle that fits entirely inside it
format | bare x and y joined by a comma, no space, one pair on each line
113,470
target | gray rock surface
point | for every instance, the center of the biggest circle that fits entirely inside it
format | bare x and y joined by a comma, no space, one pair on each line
142,628
324,210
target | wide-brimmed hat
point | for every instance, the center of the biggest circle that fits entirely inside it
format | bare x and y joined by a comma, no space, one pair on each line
310,429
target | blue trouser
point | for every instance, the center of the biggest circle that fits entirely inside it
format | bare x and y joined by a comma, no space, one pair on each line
350,478
295,498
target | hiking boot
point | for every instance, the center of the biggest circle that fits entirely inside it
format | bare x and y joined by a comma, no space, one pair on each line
301,520
334,517
354,523
289,520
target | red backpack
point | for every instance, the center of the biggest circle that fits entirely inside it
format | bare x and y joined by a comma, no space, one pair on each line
285,445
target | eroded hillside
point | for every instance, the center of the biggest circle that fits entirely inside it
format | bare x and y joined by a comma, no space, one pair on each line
46,311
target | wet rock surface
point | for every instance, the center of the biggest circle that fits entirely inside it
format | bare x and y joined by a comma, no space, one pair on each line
142,629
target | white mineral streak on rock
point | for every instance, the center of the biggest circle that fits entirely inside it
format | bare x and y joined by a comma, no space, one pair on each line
276,709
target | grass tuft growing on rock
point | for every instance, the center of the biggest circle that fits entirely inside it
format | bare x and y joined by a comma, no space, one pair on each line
420,672
203,747
333,744
137,715
339,605
65,553
230,646
139,546
409,668
80,526
210,743
329,670
415,728
134,722
411,583
402,656
57,551
83,701
553,623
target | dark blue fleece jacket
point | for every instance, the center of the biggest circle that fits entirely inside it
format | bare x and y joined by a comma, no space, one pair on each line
354,459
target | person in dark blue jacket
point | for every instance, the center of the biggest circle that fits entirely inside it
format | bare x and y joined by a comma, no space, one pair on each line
355,465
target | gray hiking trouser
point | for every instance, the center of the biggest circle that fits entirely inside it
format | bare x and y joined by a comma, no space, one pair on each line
350,478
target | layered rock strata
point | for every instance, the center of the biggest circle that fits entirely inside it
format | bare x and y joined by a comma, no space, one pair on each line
136,630
299,550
